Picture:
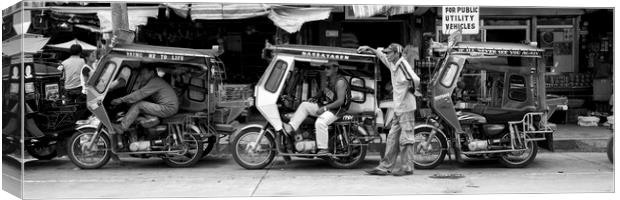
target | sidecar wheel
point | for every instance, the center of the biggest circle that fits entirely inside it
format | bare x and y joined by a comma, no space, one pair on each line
358,154
246,157
519,159
433,156
89,159
46,152
194,148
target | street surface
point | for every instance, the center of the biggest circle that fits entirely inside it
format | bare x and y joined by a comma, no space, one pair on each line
220,176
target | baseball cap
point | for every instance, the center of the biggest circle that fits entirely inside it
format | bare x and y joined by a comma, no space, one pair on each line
394,47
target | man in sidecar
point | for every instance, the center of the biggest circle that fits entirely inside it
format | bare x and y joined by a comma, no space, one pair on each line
163,100
332,101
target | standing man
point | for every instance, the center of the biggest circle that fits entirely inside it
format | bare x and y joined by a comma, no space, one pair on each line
71,71
400,139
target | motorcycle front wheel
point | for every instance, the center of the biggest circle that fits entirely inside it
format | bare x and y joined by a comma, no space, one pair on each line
251,154
429,155
192,152
518,159
92,158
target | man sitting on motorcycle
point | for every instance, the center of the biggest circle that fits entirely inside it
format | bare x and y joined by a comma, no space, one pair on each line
163,101
332,101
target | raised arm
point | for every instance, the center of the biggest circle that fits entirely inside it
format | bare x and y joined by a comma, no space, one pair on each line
379,54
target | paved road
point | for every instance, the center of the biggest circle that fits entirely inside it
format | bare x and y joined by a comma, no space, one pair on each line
220,176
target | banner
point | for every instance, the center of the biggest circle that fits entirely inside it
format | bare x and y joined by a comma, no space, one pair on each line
466,18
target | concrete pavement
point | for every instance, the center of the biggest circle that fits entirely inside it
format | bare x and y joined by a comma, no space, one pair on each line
220,176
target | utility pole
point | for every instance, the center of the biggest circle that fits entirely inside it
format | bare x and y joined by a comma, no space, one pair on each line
120,23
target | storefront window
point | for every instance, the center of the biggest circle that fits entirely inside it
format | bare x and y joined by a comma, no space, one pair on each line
555,21
558,46
504,22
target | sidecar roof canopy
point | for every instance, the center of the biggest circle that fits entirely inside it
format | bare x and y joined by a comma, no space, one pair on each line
165,54
497,49
323,52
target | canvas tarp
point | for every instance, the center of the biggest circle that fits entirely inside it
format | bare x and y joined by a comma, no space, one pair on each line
362,11
67,45
30,45
286,17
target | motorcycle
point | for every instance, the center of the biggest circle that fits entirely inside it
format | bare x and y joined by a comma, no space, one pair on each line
293,76
503,116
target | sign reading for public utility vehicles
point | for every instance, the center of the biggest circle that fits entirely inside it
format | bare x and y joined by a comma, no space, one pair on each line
466,18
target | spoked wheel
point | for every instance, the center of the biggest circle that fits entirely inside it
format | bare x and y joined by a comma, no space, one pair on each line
191,150
358,153
521,158
429,155
89,158
44,152
253,154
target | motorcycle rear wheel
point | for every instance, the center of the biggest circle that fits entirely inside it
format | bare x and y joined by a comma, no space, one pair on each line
432,157
243,149
76,147
358,155
193,147
519,159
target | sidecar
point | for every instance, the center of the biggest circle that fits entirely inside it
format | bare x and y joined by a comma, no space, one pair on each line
49,119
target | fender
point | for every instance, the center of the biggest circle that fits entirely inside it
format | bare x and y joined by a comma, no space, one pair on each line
234,134
432,127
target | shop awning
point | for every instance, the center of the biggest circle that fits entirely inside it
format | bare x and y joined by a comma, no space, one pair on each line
219,11
286,17
67,45
362,11
137,15
30,45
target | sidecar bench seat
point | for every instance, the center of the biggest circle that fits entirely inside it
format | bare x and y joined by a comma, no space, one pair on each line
177,118
148,121
496,115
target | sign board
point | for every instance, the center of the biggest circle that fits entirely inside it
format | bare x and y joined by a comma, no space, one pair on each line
500,52
466,18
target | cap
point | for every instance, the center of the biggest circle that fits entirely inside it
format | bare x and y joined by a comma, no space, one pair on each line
394,47
330,64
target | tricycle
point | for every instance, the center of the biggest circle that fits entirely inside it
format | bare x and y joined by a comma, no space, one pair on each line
487,101
181,140
295,74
